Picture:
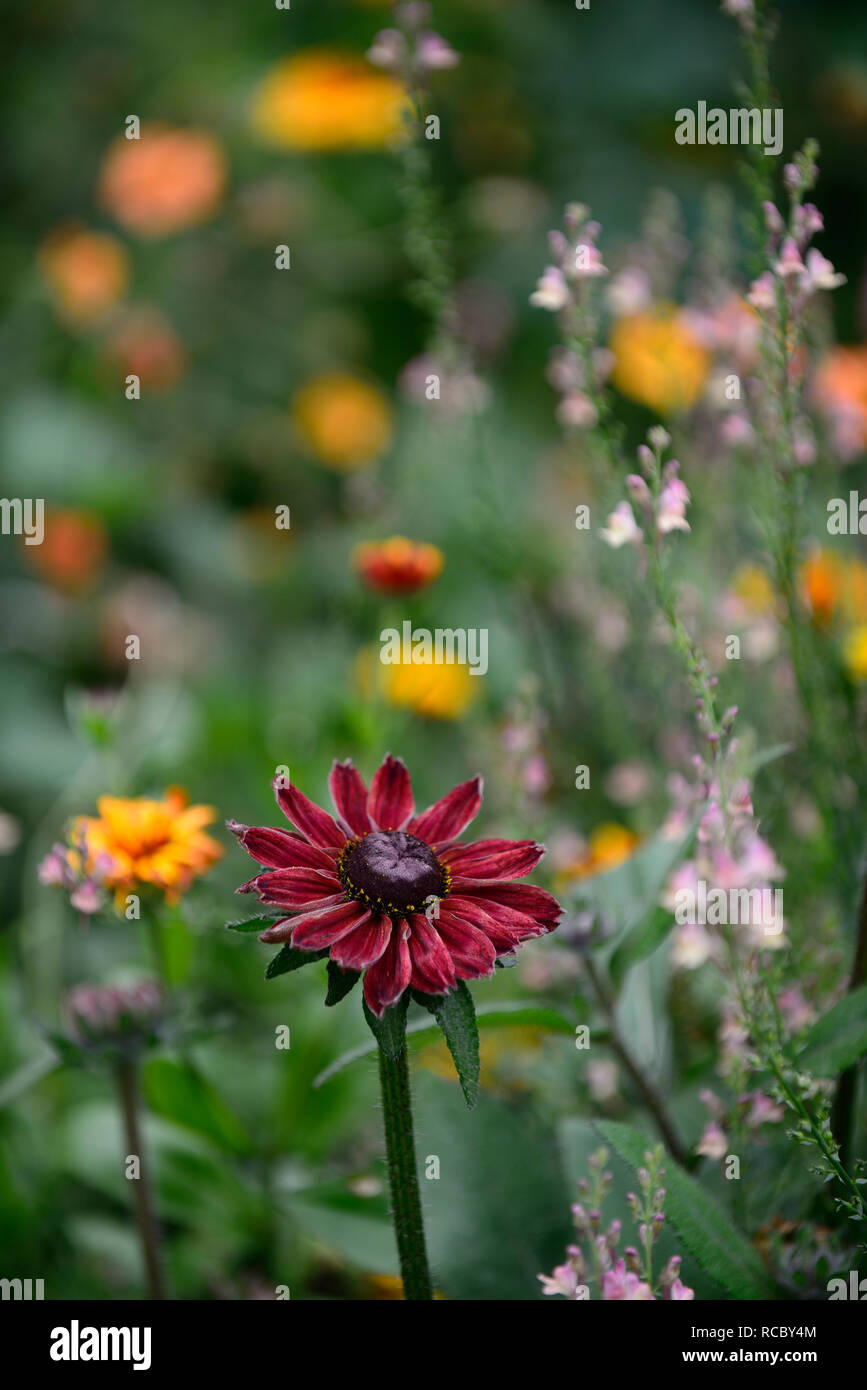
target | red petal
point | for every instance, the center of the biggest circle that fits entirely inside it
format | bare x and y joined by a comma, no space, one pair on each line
447,818
389,976
297,887
278,931
505,934
314,823
363,945
391,802
521,897
471,951
506,928
432,968
315,930
494,859
279,849
350,797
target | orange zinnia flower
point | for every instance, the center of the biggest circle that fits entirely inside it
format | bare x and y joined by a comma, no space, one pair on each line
136,841
398,565
165,181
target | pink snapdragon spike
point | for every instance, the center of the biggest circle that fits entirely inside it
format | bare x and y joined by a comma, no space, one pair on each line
392,893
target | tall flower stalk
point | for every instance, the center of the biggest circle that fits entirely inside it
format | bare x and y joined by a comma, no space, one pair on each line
397,897
660,498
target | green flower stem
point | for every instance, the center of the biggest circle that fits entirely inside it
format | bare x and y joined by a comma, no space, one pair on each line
149,1235
649,1094
402,1173
843,1109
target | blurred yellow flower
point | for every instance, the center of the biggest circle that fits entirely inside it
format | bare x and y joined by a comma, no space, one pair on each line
855,653
343,420
137,841
752,586
501,1054
658,361
609,845
437,690
86,272
323,100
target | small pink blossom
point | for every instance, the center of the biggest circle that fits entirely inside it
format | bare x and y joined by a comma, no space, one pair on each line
622,528
551,290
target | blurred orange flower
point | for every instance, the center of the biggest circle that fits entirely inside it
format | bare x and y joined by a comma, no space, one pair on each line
86,272
609,844
658,361
823,580
72,551
841,389
137,841
145,345
398,565
343,420
322,100
167,180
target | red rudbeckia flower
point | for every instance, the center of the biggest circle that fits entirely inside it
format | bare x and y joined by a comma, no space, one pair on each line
392,893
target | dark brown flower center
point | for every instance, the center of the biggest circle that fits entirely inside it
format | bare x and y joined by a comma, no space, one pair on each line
391,872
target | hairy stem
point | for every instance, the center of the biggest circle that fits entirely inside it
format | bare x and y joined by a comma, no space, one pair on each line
402,1174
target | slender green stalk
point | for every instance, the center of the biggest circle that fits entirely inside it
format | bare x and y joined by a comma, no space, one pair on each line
649,1094
403,1175
843,1109
148,1228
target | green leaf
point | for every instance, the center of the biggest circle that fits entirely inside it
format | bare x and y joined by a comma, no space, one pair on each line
27,1075
627,894
499,1212
390,1030
290,958
340,982
177,1092
767,755
456,1015
702,1225
639,943
838,1038
251,924
420,1032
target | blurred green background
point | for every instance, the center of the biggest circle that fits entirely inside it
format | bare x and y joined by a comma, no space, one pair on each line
253,639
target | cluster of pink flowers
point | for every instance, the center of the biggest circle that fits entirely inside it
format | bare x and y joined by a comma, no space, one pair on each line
660,496
798,269
752,1110
730,854
63,867
114,1013
626,1277
577,371
413,49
